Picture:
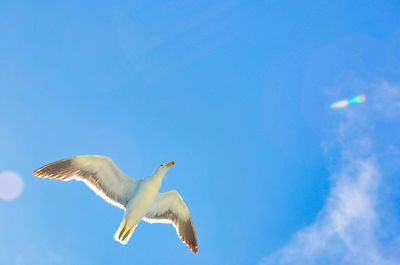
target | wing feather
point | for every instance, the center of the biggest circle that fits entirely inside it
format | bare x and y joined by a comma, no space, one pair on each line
169,207
99,173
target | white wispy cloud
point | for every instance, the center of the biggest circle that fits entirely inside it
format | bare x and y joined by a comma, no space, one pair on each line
356,226
385,100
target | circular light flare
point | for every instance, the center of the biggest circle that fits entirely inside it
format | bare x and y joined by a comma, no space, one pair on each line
10,185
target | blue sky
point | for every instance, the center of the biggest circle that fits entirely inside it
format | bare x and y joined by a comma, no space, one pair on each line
238,93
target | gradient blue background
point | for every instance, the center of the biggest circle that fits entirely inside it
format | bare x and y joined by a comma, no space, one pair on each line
228,89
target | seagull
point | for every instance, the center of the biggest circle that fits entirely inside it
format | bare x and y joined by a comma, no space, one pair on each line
140,199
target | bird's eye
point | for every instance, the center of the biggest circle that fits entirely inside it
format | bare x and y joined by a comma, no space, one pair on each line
161,165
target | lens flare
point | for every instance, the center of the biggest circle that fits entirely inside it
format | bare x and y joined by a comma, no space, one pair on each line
346,102
10,185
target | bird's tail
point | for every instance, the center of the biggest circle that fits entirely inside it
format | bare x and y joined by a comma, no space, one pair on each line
124,232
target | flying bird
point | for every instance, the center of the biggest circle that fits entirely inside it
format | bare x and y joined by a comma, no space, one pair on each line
140,199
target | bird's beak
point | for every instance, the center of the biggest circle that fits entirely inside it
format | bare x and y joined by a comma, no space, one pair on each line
170,164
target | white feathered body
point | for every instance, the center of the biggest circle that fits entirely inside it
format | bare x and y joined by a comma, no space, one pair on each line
142,198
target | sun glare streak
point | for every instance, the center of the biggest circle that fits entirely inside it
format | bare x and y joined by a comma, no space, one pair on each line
346,102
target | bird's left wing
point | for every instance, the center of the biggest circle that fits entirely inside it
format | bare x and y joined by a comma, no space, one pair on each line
169,207
99,173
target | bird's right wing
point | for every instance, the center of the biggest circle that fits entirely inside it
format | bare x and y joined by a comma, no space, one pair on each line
169,207
99,173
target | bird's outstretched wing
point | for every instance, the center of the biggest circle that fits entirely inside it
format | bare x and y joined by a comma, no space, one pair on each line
169,207
99,173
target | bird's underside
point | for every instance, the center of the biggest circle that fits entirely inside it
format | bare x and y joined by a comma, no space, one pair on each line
103,176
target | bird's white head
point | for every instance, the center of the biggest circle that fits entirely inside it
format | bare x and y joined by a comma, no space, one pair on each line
163,168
